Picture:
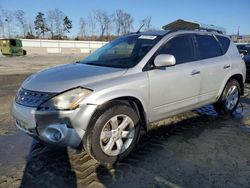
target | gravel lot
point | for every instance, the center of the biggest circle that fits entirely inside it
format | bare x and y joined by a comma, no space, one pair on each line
194,149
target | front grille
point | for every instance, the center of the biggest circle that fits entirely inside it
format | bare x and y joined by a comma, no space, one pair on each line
32,98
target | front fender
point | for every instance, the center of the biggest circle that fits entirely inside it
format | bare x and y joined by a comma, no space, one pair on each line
135,86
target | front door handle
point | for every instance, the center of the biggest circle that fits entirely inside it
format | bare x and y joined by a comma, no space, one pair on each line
194,72
226,66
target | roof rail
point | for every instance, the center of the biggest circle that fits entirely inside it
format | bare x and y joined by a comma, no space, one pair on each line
188,25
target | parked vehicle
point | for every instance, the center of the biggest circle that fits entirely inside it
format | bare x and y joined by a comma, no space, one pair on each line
11,47
104,100
246,58
243,48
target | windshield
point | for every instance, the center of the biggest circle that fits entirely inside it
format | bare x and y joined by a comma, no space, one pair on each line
124,52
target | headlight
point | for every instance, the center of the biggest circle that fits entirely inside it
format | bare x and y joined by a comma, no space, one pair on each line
68,100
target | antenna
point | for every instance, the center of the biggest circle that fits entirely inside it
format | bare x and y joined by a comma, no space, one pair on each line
137,32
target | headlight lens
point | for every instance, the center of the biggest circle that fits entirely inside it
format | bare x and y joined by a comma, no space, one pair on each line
68,100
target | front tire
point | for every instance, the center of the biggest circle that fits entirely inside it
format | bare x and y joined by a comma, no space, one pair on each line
113,133
229,99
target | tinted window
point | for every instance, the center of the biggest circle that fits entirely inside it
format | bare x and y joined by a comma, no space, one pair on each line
240,46
245,47
12,42
208,47
224,42
181,47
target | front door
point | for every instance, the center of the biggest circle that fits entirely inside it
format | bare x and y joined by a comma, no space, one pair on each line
175,88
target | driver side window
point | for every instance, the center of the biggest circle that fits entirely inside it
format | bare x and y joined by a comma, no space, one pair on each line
181,47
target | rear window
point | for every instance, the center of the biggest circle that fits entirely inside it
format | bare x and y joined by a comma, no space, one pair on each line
224,42
208,47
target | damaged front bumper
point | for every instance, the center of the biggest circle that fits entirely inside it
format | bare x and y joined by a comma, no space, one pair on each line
62,128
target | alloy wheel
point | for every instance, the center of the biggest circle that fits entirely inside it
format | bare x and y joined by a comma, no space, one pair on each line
117,135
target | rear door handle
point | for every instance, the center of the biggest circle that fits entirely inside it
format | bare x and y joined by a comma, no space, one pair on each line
194,72
226,66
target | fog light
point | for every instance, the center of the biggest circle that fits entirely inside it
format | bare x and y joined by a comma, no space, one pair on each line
54,135
57,135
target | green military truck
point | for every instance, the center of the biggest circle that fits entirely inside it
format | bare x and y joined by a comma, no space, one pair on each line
11,47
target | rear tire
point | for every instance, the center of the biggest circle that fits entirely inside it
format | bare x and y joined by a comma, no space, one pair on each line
229,98
113,133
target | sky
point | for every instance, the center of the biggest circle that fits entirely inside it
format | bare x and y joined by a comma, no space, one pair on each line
229,14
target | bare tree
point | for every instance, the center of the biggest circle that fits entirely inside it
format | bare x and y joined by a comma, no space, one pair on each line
108,24
123,22
30,31
1,27
1,22
147,23
118,19
127,23
51,22
59,15
31,28
91,23
8,19
100,17
82,30
20,17
55,22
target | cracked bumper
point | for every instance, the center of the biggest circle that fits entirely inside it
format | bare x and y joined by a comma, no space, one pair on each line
62,128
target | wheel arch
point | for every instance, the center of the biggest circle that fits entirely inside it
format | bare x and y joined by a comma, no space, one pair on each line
239,78
236,76
135,104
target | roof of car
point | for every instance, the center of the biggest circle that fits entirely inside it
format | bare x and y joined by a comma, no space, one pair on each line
185,25
165,32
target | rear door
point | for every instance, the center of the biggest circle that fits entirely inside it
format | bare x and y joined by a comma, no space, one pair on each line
214,65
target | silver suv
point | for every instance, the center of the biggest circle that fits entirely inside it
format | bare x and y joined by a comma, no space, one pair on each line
102,102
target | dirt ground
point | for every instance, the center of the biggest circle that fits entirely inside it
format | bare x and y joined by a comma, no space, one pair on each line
194,149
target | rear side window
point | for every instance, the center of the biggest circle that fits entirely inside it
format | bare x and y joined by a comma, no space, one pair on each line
181,47
224,42
208,47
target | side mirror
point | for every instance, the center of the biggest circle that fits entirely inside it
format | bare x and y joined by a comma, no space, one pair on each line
164,60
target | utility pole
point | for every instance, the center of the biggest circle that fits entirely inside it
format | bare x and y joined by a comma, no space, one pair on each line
238,34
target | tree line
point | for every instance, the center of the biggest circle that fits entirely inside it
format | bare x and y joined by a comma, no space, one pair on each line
98,25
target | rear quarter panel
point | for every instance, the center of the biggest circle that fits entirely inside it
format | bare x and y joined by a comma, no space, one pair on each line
237,65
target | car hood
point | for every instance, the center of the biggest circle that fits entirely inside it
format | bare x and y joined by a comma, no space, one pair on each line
68,76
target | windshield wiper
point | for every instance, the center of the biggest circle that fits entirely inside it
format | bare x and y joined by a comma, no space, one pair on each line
103,65
95,64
